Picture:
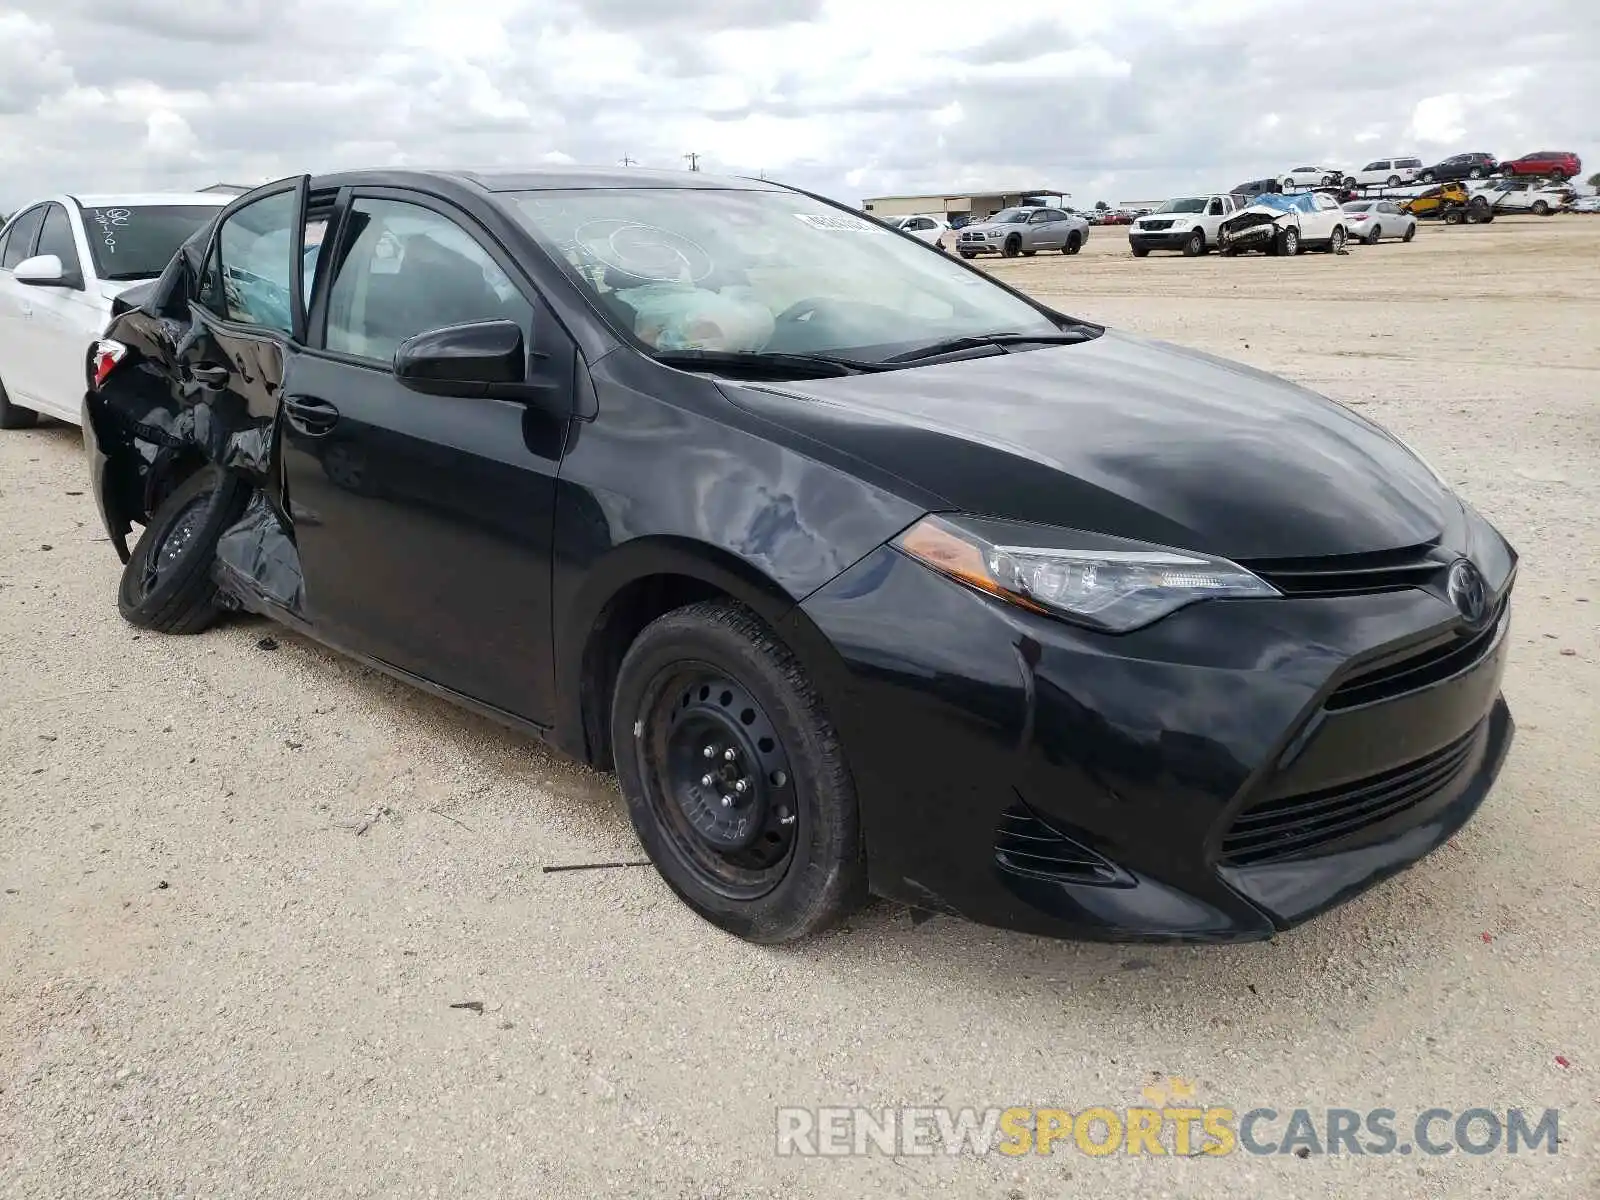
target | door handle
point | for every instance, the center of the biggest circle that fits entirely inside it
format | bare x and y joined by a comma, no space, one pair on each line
310,415
209,375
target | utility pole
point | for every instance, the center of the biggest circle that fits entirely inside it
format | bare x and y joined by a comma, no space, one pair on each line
694,160
628,162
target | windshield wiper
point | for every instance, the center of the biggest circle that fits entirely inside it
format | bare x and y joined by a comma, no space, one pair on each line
819,366
972,340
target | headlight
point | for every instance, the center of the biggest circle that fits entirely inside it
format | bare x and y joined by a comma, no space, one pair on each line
1103,582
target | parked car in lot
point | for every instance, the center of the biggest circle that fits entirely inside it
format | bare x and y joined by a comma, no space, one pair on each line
1024,230
1451,203
1188,223
1256,187
899,588
923,227
1385,172
1476,165
1310,176
1281,224
1530,196
1586,204
62,261
1370,221
1556,165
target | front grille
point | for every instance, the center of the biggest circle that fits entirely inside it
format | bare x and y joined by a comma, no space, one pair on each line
1297,826
1419,667
1349,574
1155,225
1026,845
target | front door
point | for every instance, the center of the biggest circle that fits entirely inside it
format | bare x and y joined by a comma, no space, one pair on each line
65,320
424,522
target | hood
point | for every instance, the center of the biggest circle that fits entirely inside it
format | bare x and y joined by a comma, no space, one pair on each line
1130,437
111,290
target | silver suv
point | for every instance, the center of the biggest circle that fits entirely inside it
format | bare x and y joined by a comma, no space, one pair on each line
1024,230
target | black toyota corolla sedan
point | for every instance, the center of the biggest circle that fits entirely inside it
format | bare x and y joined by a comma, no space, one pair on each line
866,573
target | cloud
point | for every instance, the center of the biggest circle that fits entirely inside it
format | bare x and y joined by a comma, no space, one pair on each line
1131,100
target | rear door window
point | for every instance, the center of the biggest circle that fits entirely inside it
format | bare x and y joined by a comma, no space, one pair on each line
23,231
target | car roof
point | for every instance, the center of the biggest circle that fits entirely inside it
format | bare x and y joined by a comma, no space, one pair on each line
139,199
553,178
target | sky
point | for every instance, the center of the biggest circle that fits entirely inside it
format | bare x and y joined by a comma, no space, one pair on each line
1115,100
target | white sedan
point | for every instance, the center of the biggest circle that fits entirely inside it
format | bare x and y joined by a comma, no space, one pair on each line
1371,221
924,228
62,260
1311,176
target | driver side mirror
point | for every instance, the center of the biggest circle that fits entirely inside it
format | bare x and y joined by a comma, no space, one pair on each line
479,358
45,270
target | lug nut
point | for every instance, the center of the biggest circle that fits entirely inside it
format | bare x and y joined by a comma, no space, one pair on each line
730,754
707,780
727,802
742,786
711,750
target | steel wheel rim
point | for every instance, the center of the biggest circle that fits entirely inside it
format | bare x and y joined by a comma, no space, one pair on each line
175,541
736,834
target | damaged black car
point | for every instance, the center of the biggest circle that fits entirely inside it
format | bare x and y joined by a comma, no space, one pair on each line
866,573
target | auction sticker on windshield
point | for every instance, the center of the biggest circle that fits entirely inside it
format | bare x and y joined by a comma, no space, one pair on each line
833,222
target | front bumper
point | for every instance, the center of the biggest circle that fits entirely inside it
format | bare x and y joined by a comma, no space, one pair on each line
986,246
1164,239
1021,772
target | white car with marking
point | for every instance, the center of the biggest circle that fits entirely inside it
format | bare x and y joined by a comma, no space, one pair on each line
62,261
1311,176
1371,221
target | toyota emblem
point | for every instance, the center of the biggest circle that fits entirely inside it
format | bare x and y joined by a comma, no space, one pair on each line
1468,592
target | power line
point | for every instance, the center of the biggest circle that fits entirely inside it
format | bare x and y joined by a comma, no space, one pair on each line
694,160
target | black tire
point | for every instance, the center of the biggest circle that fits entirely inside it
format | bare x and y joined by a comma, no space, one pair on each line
14,416
1196,245
167,585
1029,253
783,744
1453,216
1376,236
1558,176
1336,239
1351,182
1475,173
968,255
1394,181
1426,177
1289,242
1541,209
1074,243
1140,251
1013,247
1411,232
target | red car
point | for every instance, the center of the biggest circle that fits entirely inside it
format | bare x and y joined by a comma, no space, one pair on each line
1552,164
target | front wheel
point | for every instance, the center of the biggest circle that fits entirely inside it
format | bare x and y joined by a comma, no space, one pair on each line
1196,245
1475,173
1426,177
166,584
1336,241
1013,247
1541,209
735,778
1289,242
14,416
1411,232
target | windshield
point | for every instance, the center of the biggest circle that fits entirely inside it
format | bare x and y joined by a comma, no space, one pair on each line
1189,204
138,240
1009,216
760,271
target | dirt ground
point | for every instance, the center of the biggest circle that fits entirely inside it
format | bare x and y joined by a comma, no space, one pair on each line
247,889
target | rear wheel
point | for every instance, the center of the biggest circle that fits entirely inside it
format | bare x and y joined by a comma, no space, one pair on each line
1196,245
167,585
14,416
1373,238
1453,216
1411,232
735,778
1475,173
1394,181
1558,176
1074,243
1541,209
1336,240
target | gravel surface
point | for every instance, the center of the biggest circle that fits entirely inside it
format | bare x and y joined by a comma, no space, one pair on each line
247,884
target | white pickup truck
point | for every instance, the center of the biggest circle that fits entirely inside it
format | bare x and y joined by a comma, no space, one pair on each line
1188,223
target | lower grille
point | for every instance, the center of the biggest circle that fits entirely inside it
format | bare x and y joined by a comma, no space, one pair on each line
1025,844
1298,826
1418,668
